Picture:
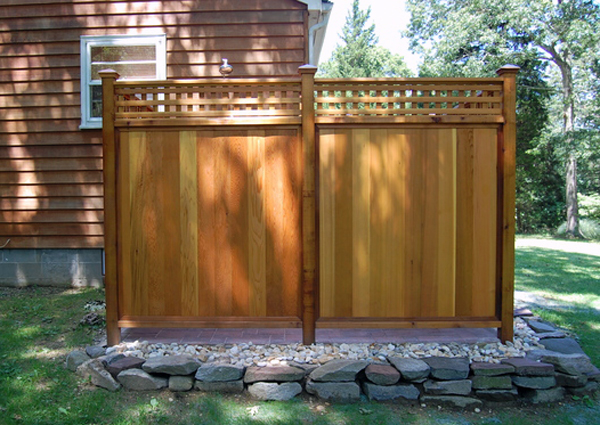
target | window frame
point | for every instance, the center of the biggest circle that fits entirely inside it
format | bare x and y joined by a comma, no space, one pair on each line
89,41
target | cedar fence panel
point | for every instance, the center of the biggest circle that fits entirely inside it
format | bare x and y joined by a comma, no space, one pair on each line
313,203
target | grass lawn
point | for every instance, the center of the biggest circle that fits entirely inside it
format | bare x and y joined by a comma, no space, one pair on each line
39,326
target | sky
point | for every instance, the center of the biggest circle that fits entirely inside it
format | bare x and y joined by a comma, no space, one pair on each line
390,18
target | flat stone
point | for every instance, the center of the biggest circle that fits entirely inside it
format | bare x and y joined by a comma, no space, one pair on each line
172,365
503,382
551,395
181,383
390,392
229,387
274,391
75,359
562,345
338,392
460,387
594,375
522,312
491,369
557,334
273,374
564,380
528,367
94,370
571,364
452,401
534,382
216,372
139,380
410,369
123,364
540,327
109,359
382,374
95,351
338,371
448,369
501,396
589,388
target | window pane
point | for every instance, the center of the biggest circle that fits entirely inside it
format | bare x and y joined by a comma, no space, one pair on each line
96,101
128,70
123,53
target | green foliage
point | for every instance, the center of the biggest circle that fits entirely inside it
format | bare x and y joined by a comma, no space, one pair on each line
589,229
589,206
359,55
558,103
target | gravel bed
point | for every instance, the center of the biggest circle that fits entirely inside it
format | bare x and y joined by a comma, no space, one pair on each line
248,354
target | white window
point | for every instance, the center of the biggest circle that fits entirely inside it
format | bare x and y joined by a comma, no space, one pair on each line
134,57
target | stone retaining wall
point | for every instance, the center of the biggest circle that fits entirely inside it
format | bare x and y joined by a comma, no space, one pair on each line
545,376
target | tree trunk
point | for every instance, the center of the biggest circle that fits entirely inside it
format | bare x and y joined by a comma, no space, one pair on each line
568,122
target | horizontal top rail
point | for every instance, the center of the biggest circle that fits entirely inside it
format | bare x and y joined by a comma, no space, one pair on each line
337,101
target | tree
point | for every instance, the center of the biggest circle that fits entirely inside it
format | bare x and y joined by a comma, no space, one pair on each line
467,35
359,55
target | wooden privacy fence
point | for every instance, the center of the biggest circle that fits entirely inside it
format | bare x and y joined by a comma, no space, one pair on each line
310,203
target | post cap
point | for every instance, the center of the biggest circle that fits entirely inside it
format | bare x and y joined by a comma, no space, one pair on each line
507,69
307,69
109,73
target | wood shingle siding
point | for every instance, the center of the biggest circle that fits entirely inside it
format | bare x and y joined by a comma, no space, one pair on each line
50,169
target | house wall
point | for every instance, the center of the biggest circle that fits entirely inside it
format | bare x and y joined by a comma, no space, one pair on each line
50,170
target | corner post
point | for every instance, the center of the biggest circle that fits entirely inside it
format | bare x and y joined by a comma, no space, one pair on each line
309,240
113,333
507,159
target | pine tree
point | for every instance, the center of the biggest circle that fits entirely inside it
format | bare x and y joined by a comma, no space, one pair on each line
359,55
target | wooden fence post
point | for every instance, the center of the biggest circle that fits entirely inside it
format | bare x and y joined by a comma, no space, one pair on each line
309,240
508,155
113,333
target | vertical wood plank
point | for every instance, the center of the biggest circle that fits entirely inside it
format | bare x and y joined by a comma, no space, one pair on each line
327,213
257,226
127,302
379,206
207,242
361,222
188,189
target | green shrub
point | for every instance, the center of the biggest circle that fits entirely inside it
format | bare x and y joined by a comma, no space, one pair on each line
589,206
590,229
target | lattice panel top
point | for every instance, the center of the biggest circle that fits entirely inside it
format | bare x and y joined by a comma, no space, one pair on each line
223,101
379,98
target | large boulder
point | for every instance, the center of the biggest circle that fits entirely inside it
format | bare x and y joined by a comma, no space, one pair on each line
75,359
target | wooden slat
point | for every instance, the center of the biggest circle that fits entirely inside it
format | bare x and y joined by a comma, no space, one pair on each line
50,191
51,164
52,216
50,177
407,323
213,322
40,242
35,204
57,229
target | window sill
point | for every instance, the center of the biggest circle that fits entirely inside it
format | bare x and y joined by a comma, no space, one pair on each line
91,126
